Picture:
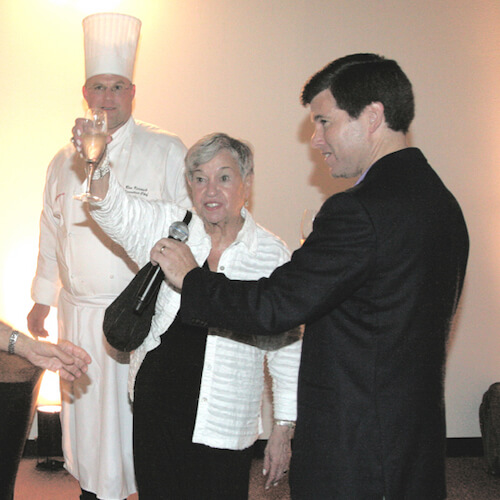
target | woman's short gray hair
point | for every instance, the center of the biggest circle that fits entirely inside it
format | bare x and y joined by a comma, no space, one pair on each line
208,147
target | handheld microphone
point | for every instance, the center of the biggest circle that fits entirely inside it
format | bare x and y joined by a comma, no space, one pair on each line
177,231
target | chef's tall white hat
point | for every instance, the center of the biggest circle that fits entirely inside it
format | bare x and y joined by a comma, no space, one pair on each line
110,42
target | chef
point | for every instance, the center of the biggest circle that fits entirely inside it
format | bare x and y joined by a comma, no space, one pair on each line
80,270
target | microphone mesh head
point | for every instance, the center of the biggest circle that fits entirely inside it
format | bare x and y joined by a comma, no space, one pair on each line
178,231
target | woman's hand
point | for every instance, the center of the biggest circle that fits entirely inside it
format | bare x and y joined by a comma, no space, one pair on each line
100,184
77,131
277,454
175,259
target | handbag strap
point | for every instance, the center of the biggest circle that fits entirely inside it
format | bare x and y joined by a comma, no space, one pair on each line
187,217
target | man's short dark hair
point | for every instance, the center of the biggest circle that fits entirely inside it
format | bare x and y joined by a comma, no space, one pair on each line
357,80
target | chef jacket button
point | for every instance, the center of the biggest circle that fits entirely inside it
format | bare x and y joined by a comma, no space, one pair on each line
222,268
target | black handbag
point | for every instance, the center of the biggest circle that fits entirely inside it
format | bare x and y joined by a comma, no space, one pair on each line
126,327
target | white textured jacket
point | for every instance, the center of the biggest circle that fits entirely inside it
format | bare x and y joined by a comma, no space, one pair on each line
229,409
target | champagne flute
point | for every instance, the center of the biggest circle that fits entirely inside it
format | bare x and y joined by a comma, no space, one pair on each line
306,224
94,134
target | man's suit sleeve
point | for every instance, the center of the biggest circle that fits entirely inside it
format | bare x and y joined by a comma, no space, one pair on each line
333,263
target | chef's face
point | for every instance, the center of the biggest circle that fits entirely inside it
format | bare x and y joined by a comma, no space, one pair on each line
113,94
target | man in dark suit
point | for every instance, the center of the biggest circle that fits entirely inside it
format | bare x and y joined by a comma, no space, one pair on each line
376,285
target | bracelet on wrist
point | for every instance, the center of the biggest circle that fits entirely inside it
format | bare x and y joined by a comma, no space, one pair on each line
102,169
285,423
12,341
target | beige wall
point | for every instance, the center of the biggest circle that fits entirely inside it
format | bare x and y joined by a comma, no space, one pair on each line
238,67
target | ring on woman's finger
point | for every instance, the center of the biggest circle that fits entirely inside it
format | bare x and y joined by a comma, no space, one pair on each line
162,248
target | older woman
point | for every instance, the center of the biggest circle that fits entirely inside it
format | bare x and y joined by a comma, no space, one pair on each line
198,393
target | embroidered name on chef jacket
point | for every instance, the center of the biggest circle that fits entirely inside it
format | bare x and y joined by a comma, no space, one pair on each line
139,191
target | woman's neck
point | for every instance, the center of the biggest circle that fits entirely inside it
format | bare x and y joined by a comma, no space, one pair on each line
221,236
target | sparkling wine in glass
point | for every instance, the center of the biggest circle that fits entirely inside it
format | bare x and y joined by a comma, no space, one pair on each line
94,134
306,224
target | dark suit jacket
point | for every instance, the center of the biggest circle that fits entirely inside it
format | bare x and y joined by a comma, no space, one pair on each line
376,284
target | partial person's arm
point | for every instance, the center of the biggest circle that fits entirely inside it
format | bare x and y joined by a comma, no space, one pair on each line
284,370
335,260
175,187
46,283
99,187
71,361
278,452
134,223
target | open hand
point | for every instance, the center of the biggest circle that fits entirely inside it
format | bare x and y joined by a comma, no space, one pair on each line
68,359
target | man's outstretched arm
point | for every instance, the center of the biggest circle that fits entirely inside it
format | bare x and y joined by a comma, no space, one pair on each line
335,260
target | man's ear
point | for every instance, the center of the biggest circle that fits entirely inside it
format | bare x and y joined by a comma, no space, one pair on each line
375,114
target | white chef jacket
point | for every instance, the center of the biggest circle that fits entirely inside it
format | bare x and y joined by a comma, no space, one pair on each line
229,408
92,269
149,163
